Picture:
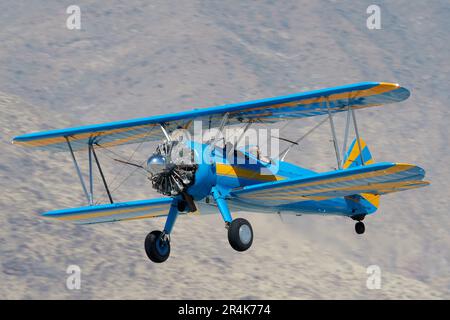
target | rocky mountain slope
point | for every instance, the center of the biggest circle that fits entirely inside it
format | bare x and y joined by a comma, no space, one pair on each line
139,58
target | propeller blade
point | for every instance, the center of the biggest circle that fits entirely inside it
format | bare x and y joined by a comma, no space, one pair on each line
189,200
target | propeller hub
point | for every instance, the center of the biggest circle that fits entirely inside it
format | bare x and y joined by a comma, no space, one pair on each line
157,164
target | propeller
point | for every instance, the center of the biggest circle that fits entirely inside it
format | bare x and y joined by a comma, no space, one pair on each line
172,170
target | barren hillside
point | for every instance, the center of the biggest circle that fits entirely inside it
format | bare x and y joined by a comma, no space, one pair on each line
141,58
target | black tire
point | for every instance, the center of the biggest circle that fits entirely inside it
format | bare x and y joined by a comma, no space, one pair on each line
240,234
359,227
157,250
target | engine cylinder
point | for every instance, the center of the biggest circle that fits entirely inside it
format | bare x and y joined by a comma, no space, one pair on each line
182,166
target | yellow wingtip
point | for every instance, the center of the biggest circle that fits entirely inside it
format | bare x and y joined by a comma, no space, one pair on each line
390,84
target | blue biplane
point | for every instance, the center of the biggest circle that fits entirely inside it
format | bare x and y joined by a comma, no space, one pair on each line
256,183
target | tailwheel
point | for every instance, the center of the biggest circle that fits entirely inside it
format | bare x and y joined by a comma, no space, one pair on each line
157,246
240,234
359,227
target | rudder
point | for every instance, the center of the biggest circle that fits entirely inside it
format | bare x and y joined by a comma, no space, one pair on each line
353,156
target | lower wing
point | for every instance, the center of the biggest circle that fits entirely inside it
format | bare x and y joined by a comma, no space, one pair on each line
121,211
379,178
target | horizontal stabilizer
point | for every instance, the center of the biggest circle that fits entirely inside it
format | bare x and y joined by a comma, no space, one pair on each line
113,212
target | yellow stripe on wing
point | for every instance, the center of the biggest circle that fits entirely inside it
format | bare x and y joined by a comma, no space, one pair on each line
81,136
309,194
153,215
394,169
378,89
105,213
381,88
373,198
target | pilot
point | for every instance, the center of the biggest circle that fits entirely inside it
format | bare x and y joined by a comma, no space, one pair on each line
255,150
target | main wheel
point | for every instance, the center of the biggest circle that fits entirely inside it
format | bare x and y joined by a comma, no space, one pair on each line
240,234
359,227
157,249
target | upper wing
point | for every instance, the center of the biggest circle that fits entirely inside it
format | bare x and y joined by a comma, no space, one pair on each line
379,178
300,105
114,212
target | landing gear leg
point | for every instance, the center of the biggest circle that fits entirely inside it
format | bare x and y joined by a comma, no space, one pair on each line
157,243
240,232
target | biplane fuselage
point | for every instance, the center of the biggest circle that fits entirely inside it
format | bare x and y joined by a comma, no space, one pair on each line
241,169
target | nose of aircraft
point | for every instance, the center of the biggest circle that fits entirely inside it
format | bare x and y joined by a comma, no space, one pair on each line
157,164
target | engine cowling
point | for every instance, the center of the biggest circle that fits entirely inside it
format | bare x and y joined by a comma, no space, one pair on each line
180,166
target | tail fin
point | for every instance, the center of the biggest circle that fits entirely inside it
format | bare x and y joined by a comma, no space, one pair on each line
353,156
364,202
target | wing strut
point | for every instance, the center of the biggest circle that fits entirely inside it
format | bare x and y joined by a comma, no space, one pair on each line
242,134
163,129
91,152
347,125
236,142
91,177
223,122
78,170
357,136
350,114
102,175
333,131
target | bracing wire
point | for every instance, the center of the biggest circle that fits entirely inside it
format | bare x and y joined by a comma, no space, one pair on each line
129,159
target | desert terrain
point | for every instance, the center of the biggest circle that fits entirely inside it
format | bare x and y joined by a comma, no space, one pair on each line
140,58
